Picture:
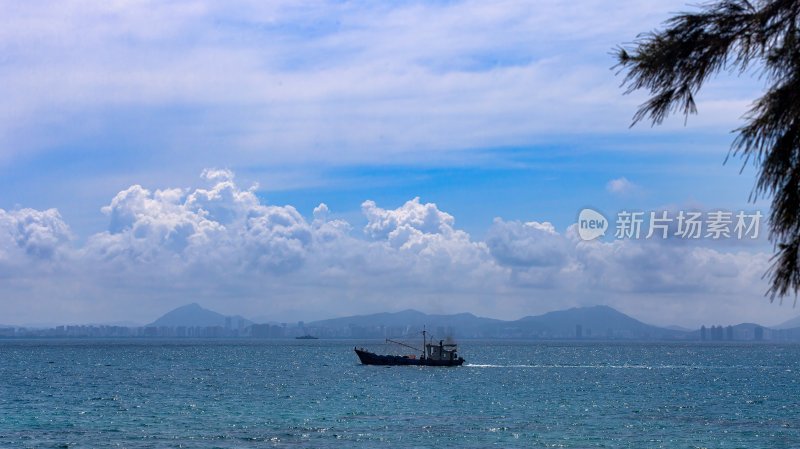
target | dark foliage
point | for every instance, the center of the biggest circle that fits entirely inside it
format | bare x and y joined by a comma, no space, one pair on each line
736,35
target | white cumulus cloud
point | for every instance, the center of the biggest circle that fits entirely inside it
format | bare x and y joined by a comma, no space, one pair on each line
219,224
29,233
526,244
621,186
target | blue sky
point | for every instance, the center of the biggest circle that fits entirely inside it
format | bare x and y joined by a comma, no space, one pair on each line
506,111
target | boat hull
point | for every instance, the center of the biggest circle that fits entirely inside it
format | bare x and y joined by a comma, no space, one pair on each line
370,358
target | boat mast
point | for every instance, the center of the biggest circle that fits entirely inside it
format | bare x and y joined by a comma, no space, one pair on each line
424,344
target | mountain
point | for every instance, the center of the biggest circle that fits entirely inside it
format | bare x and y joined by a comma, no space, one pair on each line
193,315
746,331
408,317
581,322
790,324
585,322
465,323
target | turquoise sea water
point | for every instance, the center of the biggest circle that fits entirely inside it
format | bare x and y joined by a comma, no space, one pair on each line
231,394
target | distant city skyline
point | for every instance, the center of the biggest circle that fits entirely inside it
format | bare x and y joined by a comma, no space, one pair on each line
238,321
306,160
583,323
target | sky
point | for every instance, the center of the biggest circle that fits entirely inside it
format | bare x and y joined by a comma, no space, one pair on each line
310,159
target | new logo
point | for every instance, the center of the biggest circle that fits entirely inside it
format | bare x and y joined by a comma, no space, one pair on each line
591,224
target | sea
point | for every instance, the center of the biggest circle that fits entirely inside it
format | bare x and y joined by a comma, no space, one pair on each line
143,393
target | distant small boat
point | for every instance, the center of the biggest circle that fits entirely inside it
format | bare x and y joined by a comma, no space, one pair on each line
307,337
432,355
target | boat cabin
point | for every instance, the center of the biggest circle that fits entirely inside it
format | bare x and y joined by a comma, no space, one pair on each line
441,351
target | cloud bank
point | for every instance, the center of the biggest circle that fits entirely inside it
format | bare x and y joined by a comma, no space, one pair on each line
221,244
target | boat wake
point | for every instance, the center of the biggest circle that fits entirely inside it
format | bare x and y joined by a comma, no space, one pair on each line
474,365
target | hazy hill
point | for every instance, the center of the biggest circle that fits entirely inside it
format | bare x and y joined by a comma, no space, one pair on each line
594,322
193,315
746,331
465,323
790,324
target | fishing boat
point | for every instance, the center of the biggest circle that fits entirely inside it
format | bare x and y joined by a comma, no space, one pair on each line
442,354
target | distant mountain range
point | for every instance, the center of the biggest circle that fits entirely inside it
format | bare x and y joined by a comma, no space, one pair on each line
580,322
411,318
596,322
193,315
